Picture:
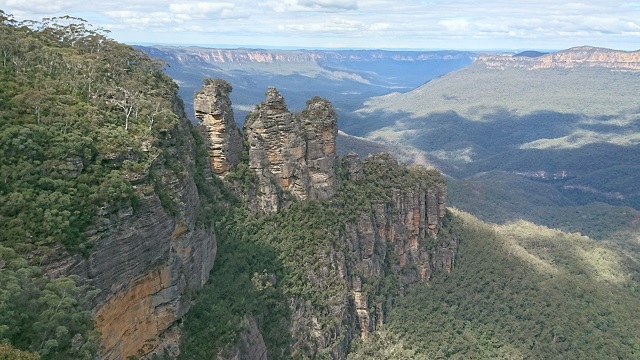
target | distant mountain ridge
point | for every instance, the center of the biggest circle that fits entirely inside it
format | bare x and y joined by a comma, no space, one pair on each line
269,56
345,77
582,56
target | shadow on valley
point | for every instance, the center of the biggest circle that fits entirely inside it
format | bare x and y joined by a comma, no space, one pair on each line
519,291
588,185
584,169
243,292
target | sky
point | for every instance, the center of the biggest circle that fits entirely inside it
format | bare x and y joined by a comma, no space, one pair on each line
356,24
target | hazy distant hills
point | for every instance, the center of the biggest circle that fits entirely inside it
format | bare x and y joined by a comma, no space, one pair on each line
567,123
345,77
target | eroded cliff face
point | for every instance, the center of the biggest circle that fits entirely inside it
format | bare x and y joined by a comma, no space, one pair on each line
213,108
291,155
144,260
204,55
584,56
395,239
319,121
293,158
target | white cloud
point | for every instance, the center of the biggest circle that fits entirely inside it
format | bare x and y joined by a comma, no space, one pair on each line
199,8
455,24
330,4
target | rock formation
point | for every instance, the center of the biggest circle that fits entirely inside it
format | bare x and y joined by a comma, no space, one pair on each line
277,150
395,229
289,153
143,261
224,142
386,241
319,121
250,343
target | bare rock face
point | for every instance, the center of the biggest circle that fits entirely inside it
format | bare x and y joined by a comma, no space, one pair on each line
320,124
394,230
388,241
212,106
291,154
250,343
353,166
276,152
143,261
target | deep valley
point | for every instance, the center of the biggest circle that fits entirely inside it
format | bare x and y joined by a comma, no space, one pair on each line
191,203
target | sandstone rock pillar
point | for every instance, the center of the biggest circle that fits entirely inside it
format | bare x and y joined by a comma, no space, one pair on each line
212,106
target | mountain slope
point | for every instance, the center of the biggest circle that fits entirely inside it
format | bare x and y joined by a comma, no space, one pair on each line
101,201
112,207
520,291
569,121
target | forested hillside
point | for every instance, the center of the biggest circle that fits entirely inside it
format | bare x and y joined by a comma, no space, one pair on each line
552,139
81,120
520,291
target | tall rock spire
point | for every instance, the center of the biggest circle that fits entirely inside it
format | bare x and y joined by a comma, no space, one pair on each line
212,106
291,154
320,123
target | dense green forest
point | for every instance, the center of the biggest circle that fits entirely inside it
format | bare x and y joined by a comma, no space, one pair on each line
81,120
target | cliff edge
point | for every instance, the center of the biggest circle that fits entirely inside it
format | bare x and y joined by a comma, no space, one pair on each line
583,56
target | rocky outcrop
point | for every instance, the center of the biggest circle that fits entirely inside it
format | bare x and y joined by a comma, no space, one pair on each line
291,155
584,56
319,122
212,107
144,260
391,241
396,238
250,344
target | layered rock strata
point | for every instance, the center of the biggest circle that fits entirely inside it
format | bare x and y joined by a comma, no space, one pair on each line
319,122
395,229
212,107
291,155
387,241
584,56
144,261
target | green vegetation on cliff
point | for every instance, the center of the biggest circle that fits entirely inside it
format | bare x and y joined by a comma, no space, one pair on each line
82,120
86,127
265,261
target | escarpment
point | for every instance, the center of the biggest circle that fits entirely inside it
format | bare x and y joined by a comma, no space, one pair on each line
585,56
396,238
392,237
144,260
